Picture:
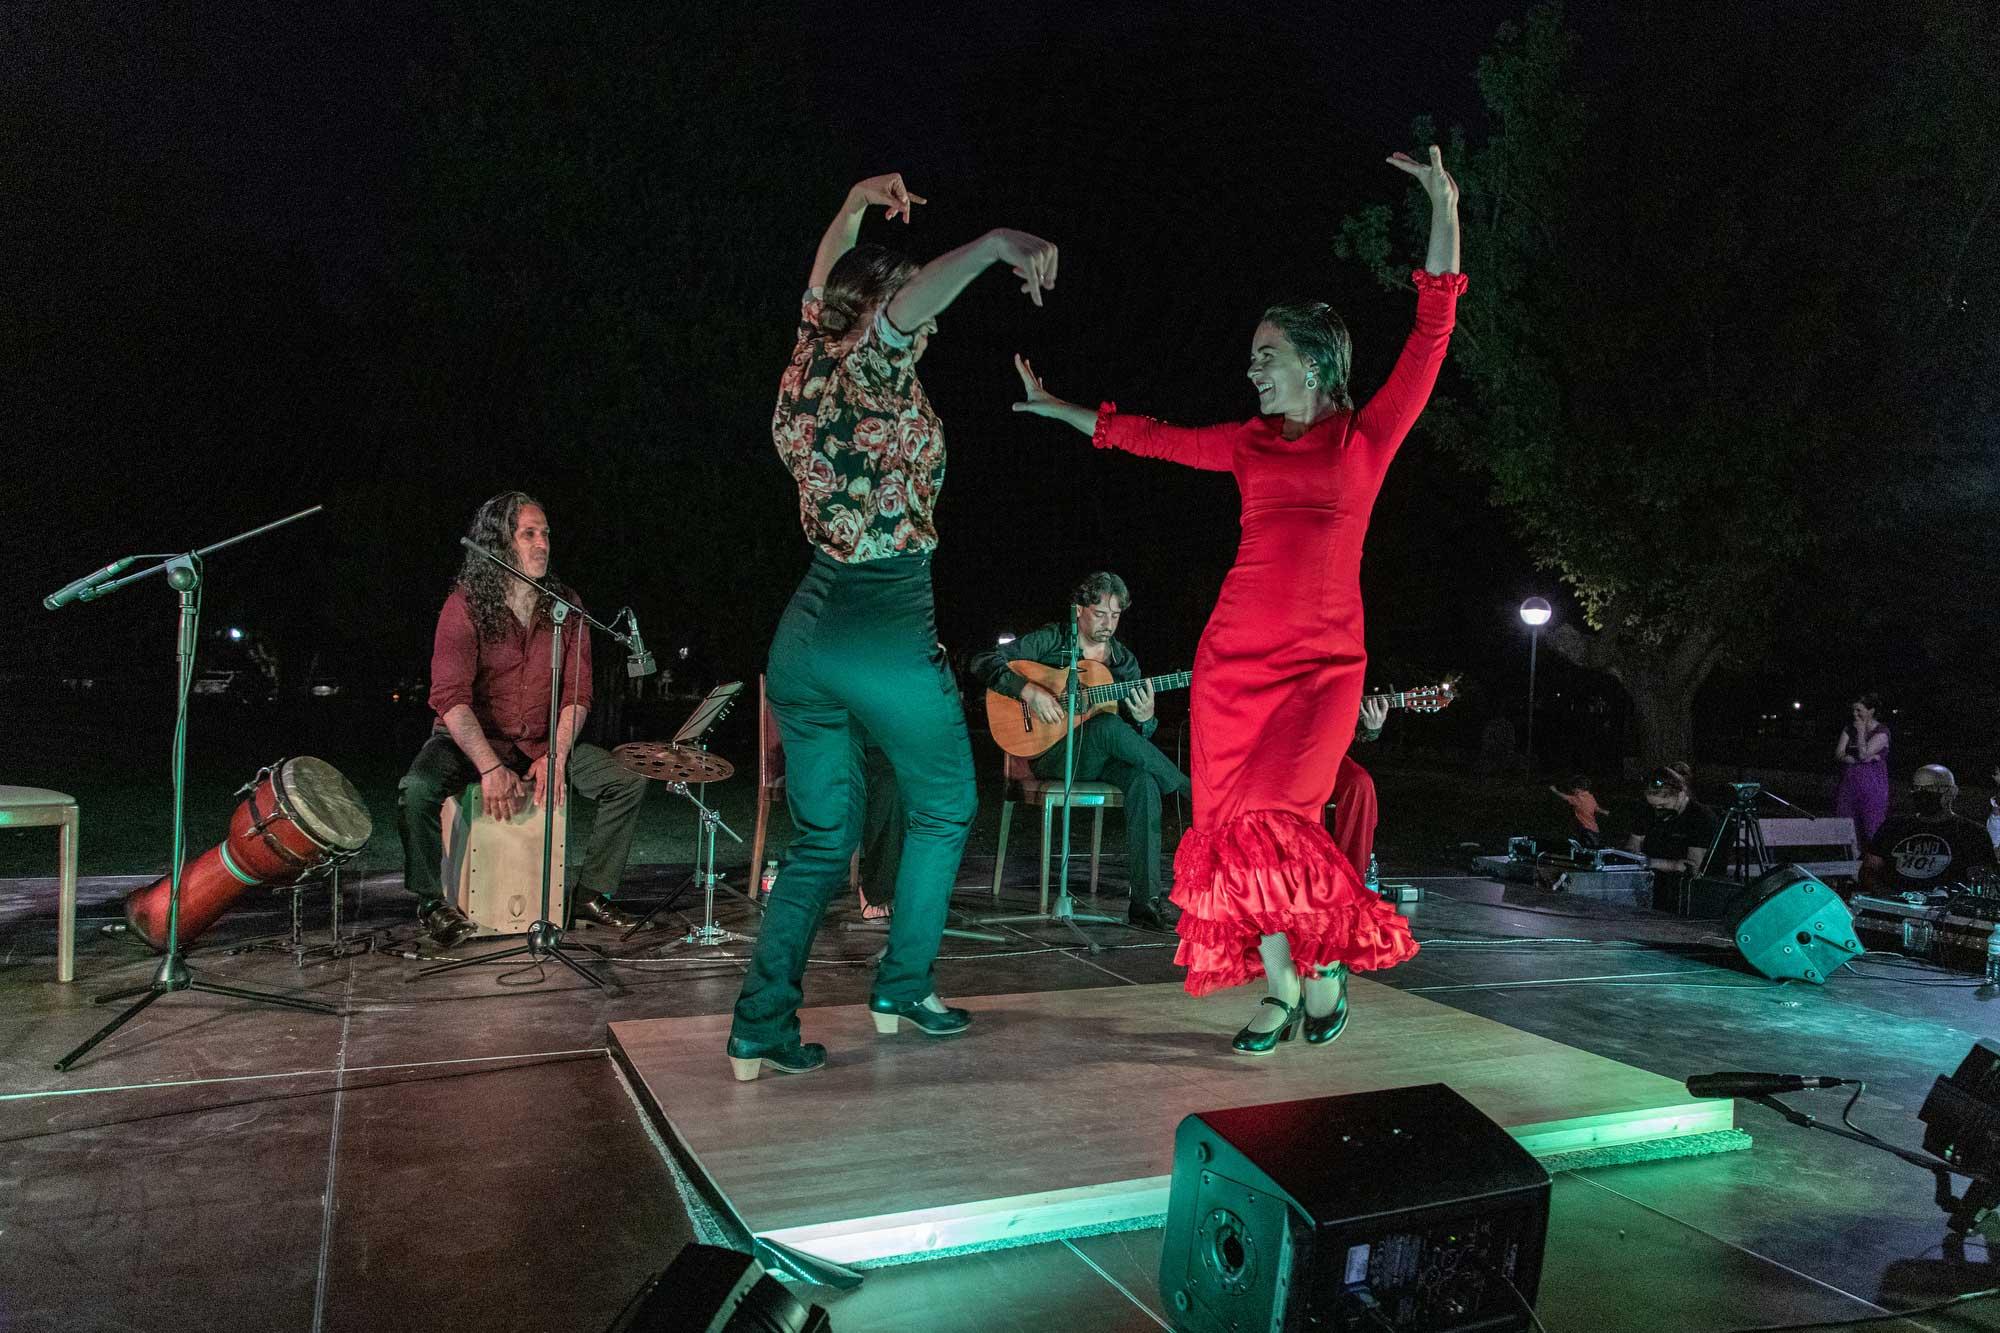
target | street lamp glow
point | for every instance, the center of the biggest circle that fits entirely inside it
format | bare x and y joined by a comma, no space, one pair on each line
1004,640
1535,613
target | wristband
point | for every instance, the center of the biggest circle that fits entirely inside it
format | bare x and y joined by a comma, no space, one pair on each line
484,771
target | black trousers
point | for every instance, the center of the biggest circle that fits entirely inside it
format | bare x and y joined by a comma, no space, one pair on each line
1109,750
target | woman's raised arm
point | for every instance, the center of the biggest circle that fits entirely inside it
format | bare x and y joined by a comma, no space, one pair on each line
888,192
938,283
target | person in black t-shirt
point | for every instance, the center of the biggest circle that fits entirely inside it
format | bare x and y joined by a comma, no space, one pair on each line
1681,829
1931,848
1676,836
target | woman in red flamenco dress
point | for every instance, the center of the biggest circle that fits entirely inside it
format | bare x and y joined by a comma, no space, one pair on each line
1278,675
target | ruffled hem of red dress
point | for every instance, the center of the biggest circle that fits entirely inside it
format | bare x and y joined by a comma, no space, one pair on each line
1100,435
1446,284
1271,872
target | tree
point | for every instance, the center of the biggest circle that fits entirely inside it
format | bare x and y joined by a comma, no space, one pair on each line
1685,336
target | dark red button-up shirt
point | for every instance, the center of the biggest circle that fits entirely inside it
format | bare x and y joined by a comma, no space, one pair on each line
505,681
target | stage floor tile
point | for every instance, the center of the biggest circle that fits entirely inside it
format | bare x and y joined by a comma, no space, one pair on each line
1057,1110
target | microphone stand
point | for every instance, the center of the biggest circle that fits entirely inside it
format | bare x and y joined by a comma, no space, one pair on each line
545,937
184,576
1963,1213
1064,909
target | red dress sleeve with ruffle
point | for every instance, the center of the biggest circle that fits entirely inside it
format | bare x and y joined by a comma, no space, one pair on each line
1210,448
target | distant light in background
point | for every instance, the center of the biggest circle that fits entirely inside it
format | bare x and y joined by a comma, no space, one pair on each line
235,634
1006,637
1535,613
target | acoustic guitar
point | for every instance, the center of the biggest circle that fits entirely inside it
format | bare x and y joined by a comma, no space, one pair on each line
1017,731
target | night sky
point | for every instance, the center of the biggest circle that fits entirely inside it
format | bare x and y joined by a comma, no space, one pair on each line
394,257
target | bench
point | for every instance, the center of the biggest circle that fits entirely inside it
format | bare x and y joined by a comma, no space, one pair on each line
1784,837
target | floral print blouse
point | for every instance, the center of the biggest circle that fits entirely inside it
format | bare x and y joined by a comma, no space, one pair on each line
860,439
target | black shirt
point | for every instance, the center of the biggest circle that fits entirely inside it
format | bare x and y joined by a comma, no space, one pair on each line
1674,833
1050,646
1925,854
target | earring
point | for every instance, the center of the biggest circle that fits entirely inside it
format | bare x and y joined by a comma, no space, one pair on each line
1310,381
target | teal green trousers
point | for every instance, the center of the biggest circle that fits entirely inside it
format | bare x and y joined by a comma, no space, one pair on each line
857,651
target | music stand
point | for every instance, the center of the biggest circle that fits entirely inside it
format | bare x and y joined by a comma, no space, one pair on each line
184,576
1063,910
545,937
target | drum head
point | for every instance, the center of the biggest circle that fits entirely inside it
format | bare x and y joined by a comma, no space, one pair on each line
322,803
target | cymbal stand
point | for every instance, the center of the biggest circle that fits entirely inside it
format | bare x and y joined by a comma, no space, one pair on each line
707,934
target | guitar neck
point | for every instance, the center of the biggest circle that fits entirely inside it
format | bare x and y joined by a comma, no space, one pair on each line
1094,695
1402,698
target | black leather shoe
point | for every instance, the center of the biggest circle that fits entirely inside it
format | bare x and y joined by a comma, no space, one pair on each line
594,909
1320,1031
445,923
747,1059
891,1014
1152,914
1249,1042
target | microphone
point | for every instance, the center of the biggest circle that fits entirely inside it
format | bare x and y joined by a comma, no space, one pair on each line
82,587
641,662
1742,1083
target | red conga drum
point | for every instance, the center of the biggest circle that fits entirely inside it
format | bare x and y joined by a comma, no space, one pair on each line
300,815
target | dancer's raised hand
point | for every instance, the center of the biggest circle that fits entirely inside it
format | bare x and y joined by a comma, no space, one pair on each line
1032,259
888,192
1437,182
1040,402
1035,398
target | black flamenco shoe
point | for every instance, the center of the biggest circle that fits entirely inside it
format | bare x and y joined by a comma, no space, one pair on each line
747,1059
892,1014
1263,1043
1321,1030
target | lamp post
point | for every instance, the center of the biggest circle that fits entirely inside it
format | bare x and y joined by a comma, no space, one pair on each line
1535,613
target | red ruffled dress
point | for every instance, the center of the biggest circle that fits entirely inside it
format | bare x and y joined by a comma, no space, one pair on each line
1278,676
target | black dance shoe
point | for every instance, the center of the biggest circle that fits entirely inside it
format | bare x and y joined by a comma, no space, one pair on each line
1321,1030
594,909
748,1059
1249,1042
1152,913
891,1014
445,923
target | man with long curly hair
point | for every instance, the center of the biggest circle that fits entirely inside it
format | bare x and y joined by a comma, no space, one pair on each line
490,691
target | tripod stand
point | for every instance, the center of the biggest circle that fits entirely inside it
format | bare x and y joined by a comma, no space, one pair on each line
1064,908
545,937
1738,851
184,576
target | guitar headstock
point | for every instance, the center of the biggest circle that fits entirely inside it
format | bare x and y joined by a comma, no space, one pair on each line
1432,698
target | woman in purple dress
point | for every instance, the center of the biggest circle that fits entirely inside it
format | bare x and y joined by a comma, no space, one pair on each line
1863,754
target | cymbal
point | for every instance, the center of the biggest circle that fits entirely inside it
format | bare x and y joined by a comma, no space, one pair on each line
672,763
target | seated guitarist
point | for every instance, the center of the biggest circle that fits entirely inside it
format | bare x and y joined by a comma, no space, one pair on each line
1110,747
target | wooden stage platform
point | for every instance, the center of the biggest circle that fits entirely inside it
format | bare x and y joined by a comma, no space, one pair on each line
1056,1112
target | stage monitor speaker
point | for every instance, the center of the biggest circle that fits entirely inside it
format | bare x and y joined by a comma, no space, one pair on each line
1790,926
1405,1209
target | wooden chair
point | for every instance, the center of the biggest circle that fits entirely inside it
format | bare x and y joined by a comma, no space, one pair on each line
771,791
1020,785
28,807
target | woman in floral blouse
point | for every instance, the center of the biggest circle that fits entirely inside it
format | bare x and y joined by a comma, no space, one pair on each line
857,647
